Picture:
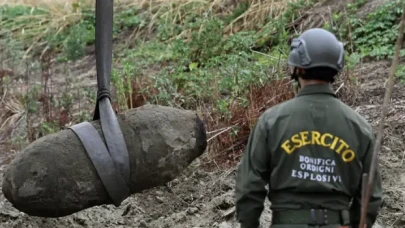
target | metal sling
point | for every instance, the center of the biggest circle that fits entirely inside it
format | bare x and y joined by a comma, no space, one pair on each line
110,159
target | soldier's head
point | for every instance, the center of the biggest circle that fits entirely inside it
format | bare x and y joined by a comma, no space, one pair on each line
316,57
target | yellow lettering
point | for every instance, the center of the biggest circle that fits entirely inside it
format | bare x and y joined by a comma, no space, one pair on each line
334,143
343,144
297,141
304,137
323,143
348,155
315,137
287,147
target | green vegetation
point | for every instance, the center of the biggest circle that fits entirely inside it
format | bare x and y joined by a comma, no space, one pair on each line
371,37
38,30
214,57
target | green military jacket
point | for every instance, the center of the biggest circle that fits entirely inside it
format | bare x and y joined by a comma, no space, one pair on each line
311,151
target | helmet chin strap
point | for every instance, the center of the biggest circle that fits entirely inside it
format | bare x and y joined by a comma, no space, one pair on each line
294,76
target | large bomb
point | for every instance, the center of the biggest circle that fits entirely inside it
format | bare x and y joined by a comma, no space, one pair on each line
54,176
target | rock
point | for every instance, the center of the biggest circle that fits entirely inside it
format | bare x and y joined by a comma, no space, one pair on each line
192,210
180,217
143,224
160,199
229,212
223,202
175,182
53,176
80,219
376,225
224,225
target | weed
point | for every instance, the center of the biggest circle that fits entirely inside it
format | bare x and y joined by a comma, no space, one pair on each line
376,36
400,73
207,67
373,36
225,60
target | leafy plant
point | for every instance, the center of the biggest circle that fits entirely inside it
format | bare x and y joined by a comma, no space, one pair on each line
377,35
226,62
400,73
373,36
46,29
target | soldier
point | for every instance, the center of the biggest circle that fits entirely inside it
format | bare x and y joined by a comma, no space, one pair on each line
311,151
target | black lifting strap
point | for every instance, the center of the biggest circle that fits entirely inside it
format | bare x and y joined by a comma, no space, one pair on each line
112,161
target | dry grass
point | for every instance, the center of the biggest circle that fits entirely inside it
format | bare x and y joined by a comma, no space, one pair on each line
62,14
12,112
228,136
223,131
347,87
258,12
32,29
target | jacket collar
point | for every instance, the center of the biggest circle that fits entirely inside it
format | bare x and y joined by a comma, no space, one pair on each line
316,89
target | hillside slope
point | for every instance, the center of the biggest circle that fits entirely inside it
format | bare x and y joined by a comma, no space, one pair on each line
204,197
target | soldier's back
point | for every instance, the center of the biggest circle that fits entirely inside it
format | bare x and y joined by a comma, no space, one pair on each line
317,145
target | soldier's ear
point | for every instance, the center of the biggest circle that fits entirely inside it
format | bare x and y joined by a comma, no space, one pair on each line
300,71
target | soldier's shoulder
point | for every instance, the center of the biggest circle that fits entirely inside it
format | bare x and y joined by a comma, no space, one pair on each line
280,109
357,118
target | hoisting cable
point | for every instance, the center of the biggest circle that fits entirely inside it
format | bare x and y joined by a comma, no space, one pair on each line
368,184
110,159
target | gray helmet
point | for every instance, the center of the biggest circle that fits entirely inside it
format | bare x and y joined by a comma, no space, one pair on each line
316,48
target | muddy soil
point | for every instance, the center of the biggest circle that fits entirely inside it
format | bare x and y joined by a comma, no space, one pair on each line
196,199
373,78
206,199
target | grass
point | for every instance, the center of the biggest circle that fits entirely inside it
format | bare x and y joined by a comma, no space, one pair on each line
41,26
224,59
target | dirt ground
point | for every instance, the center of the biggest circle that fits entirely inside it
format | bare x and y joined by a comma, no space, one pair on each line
373,77
206,199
